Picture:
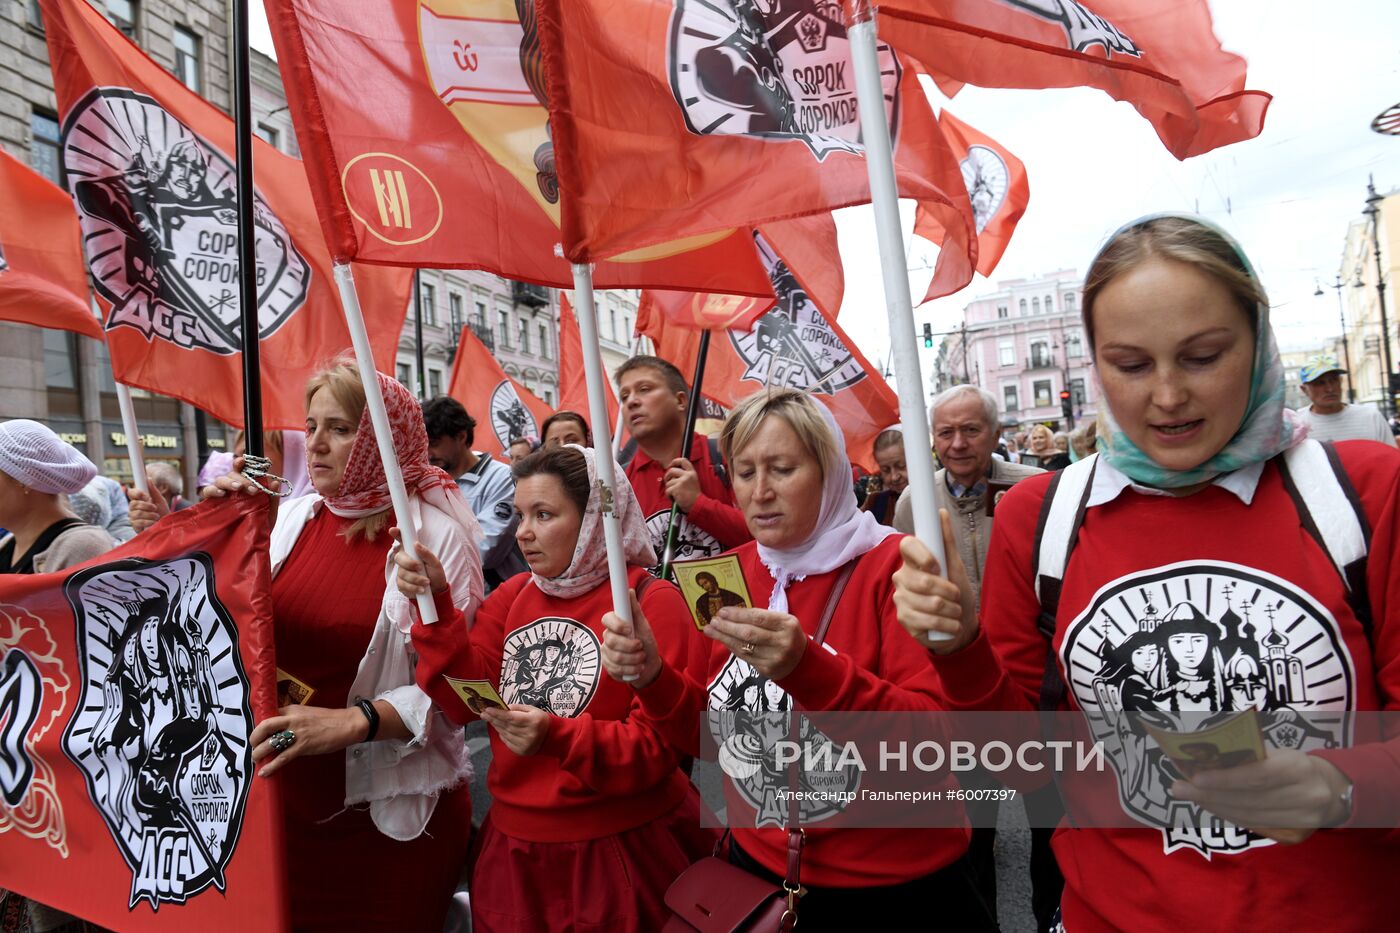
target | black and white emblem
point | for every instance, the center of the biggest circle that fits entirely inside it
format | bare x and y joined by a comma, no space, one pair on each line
1204,637
691,542
1083,28
793,345
510,418
986,176
162,720
159,221
551,664
780,69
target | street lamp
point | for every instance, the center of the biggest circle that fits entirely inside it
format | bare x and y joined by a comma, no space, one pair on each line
1342,316
1373,211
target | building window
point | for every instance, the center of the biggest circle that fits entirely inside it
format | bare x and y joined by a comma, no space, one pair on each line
123,14
524,331
1002,311
269,135
434,383
427,304
1010,398
1074,347
189,66
1007,353
43,149
549,398
1035,305
406,375
481,314
35,16
544,341
454,313
626,328
1069,301
1023,307
1040,354
1049,304
1042,393
1076,392
59,354
503,330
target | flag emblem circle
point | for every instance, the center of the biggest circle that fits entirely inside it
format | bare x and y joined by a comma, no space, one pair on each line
397,206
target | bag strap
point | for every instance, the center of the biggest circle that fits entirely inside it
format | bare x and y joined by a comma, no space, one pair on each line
717,461
1057,531
829,610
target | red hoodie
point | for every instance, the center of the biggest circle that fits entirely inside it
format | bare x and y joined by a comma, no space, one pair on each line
602,769
872,664
1274,604
713,523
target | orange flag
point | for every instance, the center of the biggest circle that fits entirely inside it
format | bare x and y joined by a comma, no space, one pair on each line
672,118
149,166
503,408
996,185
1161,56
42,278
795,345
434,149
573,394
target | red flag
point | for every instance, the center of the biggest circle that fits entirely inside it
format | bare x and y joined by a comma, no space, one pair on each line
149,165
42,278
674,119
795,345
503,408
128,688
573,394
996,185
435,149
1161,56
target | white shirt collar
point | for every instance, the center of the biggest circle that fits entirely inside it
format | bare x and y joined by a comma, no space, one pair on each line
1109,482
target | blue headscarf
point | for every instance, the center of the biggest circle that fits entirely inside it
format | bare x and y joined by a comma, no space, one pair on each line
1268,428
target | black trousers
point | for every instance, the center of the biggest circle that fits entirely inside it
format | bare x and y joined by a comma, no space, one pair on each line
947,900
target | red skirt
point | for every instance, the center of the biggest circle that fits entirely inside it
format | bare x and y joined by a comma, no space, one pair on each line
614,883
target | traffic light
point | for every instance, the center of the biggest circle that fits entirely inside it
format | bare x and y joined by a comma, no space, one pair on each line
1067,408
928,336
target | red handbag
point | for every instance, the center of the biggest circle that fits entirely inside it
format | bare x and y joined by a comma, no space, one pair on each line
715,896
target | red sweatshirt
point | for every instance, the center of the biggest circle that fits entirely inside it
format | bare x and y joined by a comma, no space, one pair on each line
712,525
875,666
601,770
1276,630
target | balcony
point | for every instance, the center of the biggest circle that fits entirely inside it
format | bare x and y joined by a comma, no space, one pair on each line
536,296
482,332
1041,361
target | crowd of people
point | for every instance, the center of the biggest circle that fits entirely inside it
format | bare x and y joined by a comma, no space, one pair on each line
1187,486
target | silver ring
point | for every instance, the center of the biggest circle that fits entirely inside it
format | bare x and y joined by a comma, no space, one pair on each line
281,741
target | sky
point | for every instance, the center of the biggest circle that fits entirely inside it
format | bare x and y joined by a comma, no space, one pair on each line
1094,163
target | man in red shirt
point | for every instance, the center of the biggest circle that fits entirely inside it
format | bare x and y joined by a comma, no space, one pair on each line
653,395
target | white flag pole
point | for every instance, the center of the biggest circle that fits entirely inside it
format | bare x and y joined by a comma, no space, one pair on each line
379,418
134,447
884,197
598,414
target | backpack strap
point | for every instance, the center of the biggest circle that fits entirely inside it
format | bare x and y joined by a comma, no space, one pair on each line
1330,512
717,461
1061,514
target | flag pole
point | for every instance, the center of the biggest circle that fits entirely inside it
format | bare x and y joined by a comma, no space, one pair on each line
692,413
587,315
247,246
134,445
379,419
884,197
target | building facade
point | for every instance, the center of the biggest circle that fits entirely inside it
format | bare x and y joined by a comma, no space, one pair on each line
1361,303
1025,344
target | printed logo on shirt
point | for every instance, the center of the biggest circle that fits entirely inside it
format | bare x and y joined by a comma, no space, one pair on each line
1204,637
160,226
510,418
551,664
692,542
748,714
162,722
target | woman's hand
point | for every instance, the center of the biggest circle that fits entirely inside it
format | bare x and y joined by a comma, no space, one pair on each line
522,728
682,483
145,509
232,482
629,650
1286,797
773,642
416,577
925,601
318,730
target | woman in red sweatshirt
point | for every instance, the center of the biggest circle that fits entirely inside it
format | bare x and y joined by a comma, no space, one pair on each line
793,484
592,817
1218,561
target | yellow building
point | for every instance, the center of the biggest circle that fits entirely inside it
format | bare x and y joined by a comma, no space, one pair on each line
1364,340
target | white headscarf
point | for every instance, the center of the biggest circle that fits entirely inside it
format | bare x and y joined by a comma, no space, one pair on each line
41,460
589,566
842,532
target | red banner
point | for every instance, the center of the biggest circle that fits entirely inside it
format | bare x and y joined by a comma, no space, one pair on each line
795,345
42,278
149,164
1161,56
676,119
435,148
996,186
573,390
128,688
503,408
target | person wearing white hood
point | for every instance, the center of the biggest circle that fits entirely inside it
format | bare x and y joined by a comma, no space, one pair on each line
38,471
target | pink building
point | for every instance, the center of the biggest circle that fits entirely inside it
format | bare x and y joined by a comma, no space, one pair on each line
1025,344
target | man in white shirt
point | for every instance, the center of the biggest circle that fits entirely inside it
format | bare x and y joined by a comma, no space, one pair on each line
487,485
1330,418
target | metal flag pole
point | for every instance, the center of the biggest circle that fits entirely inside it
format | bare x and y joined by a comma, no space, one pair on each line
134,445
587,316
247,246
692,412
884,197
379,418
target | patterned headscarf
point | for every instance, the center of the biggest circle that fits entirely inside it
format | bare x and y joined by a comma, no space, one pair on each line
589,566
1268,428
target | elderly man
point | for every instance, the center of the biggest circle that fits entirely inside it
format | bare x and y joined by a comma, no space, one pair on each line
1330,418
965,422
